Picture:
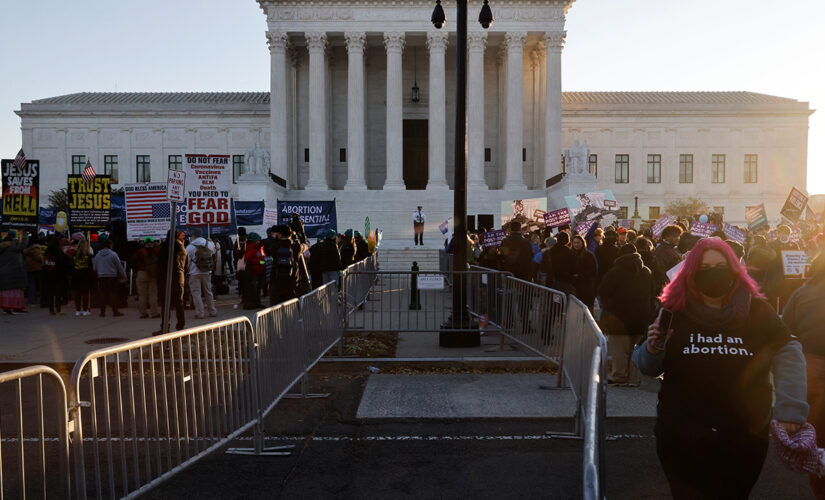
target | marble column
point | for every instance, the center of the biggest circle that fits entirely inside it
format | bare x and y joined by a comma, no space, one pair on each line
394,43
475,110
514,178
355,110
553,41
437,126
279,151
316,44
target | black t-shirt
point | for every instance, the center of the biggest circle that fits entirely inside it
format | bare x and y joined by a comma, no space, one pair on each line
720,378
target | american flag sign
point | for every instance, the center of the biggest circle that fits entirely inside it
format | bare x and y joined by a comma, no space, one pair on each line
20,159
161,210
146,201
88,172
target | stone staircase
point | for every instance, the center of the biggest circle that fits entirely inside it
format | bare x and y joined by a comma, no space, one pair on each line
398,259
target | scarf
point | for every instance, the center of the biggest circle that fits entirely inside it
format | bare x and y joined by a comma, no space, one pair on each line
730,315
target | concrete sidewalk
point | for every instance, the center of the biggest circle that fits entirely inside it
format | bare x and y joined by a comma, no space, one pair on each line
37,337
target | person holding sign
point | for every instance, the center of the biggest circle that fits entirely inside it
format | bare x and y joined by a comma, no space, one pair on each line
13,278
717,343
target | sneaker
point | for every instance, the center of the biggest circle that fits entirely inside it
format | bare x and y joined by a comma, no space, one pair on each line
199,316
78,313
86,313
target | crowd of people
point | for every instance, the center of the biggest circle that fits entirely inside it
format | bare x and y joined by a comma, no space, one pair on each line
738,343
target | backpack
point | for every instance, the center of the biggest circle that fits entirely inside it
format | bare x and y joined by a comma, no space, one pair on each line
204,259
283,264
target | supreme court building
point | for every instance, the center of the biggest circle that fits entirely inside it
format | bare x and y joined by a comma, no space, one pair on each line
361,110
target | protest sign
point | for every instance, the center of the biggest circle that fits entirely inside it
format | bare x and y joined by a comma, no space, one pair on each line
89,201
47,218
794,262
318,216
523,207
626,223
703,229
208,185
492,239
176,185
148,213
661,224
794,205
673,271
810,215
271,217
595,205
444,227
250,213
734,233
557,218
21,189
585,227
757,217
539,214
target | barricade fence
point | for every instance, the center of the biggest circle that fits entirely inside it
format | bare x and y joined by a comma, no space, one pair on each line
594,432
357,282
33,434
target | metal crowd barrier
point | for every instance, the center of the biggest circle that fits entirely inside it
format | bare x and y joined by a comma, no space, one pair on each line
445,261
33,437
152,407
594,416
356,285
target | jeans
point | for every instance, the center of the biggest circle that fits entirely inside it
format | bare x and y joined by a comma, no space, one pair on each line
147,290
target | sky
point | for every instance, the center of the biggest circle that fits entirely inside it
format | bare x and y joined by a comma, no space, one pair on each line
59,47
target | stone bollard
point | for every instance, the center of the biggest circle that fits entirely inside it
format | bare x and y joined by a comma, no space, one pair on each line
415,295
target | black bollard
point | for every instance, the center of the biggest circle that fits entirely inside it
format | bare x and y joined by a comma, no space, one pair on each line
415,295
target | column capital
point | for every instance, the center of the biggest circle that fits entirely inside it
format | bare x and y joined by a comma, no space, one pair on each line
316,41
356,40
537,54
477,41
277,41
394,41
437,41
515,39
555,40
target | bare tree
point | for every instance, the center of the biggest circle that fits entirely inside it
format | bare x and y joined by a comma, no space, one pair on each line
687,208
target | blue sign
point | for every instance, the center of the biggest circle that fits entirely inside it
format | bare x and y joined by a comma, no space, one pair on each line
118,209
47,216
317,216
249,213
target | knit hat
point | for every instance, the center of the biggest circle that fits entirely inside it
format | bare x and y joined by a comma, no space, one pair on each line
799,452
12,233
253,237
348,233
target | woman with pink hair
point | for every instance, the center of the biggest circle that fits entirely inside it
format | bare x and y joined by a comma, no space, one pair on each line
715,344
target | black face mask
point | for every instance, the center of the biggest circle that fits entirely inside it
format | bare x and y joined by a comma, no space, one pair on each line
714,282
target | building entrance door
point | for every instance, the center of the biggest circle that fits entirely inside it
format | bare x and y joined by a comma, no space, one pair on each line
416,166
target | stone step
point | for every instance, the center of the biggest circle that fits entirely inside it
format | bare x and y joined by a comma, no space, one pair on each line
402,259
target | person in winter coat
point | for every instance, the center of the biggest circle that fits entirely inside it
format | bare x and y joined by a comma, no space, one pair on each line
584,272
546,262
804,314
347,249
179,264
645,248
255,262
606,253
82,275
627,295
56,267
716,356
564,263
110,274
33,258
283,280
145,261
13,278
517,252
324,260
202,256
667,253
362,250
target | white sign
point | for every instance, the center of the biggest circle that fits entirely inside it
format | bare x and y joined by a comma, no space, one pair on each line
208,190
673,271
794,262
176,185
148,213
270,217
430,282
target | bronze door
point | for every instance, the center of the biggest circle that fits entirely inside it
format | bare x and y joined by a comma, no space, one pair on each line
416,171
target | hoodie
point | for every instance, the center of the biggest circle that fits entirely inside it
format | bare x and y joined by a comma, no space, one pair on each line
628,293
107,265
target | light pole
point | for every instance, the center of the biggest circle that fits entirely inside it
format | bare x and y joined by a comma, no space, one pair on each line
458,331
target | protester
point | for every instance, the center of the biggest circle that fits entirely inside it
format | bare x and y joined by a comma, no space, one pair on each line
362,250
546,263
761,260
715,399
584,272
667,253
347,249
201,255
324,261
607,253
297,227
804,314
82,275
622,236
283,280
595,240
627,295
563,262
255,271
645,248
179,264
110,274
516,252
238,252
55,270
13,277
33,259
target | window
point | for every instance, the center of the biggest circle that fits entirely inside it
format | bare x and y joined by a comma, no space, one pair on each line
78,164
654,169
175,162
110,167
593,165
523,154
488,154
653,213
306,155
143,172
751,164
237,167
717,169
342,155
685,169
623,212
622,169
